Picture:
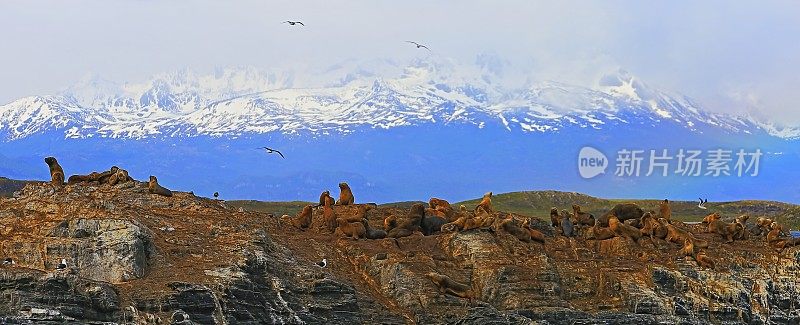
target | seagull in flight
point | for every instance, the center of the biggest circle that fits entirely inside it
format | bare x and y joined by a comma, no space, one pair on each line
294,22
419,45
270,150
702,204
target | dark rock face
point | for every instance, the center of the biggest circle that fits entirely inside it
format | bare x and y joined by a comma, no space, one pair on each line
141,259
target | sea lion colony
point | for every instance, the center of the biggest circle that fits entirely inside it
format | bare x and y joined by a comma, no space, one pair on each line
626,220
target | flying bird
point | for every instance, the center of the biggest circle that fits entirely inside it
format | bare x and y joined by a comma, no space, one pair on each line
322,263
419,45
270,150
702,204
216,195
292,23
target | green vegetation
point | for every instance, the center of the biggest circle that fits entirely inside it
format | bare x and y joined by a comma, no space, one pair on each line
276,208
9,186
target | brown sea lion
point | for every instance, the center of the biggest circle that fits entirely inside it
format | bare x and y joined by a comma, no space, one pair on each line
555,219
56,172
328,215
322,197
728,231
679,236
345,195
622,230
704,260
600,233
486,203
355,230
303,218
582,218
412,222
536,235
445,284
664,210
154,188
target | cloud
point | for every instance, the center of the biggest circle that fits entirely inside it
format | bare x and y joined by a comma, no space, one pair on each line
714,51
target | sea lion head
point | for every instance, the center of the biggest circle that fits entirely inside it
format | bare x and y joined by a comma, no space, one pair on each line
344,186
50,161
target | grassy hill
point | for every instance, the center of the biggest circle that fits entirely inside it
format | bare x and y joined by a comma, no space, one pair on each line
9,186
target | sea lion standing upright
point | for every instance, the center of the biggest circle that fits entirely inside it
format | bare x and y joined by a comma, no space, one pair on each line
567,228
154,188
345,195
486,203
664,210
555,220
56,172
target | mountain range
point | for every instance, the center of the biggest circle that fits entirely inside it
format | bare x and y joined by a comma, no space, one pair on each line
380,125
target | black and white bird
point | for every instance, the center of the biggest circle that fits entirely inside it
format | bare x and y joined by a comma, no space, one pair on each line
8,261
216,195
292,23
62,265
419,45
270,150
322,263
702,204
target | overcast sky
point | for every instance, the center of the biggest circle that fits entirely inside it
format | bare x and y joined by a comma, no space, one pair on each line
732,56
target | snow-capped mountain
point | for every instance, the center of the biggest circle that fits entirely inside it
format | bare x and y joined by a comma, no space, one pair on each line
352,96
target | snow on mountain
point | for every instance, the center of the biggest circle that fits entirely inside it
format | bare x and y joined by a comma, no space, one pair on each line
350,96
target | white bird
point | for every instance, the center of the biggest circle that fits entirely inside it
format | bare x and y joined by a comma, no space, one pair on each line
322,263
8,261
62,265
702,204
419,45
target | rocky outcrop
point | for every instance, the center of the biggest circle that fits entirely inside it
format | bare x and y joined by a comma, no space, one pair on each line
139,258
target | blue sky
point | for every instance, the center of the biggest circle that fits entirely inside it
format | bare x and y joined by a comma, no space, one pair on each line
732,56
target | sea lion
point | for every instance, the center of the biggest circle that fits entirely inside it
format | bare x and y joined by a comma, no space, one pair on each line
355,230
599,233
154,188
511,227
623,212
729,231
436,203
679,236
322,197
373,233
328,215
413,222
688,248
56,172
555,219
536,235
390,222
567,228
745,233
652,226
303,218
345,195
486,203
622,230
432,224
582,218
664,210
445,284
774,233
704,260
711,217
